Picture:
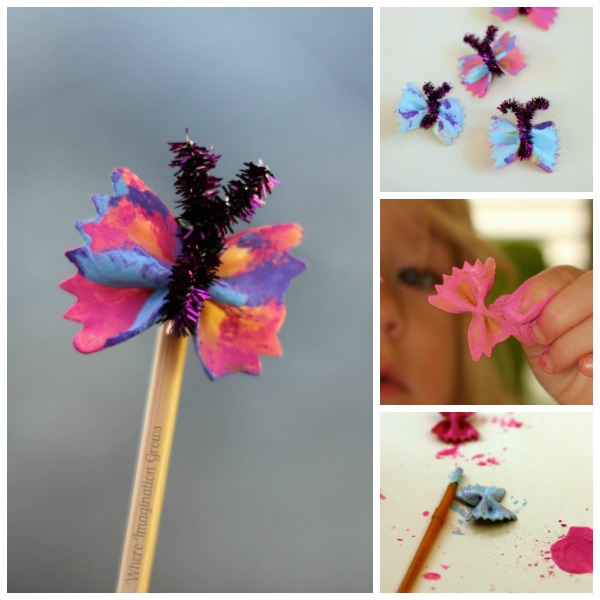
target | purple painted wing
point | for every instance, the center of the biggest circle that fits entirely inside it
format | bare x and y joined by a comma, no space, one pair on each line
124,265
505,13
246,310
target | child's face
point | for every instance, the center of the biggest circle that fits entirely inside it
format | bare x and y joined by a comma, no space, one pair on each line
419,350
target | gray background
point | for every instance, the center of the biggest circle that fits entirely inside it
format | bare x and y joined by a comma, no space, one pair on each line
270,485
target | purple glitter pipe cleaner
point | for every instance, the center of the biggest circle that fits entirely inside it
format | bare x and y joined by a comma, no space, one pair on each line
434,96
484,48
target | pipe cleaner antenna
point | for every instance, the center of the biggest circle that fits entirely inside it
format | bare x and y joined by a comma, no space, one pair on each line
140,266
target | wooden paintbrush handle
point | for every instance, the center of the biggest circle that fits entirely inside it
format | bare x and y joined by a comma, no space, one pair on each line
437,520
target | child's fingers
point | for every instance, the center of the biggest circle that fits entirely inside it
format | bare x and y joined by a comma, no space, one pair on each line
572,303
586,365
566,350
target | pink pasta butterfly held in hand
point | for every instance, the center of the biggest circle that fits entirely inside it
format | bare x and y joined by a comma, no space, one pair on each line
465,291
493,58
541,17
455,428
140,265
536,143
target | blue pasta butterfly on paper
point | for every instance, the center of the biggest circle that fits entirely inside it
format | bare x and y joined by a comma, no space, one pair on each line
537,143
431,111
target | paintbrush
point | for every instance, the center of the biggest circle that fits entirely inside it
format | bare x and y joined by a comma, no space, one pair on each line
437,520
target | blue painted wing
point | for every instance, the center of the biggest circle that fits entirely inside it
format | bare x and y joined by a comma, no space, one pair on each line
450,120
545,145
503,137
411,108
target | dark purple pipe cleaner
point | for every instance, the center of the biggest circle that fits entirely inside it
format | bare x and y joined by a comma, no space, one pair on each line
484,48
206,219
434,96
524,114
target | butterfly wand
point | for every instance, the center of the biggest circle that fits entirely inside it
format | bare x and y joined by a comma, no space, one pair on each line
140,266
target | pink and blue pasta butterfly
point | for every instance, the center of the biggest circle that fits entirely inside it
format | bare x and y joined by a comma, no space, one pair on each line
139,265
537,143
494,57
431,110
541,17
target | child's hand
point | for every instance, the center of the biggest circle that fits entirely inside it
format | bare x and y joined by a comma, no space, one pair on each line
562,361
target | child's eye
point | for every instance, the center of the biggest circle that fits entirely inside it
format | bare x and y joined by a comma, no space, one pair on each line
420,278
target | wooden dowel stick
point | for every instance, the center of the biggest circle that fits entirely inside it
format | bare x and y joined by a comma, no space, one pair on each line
153,462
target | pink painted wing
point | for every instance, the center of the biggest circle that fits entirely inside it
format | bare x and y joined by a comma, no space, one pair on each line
109,314
508,56
246,308
124,265
542,17
455,428
474,74
466,289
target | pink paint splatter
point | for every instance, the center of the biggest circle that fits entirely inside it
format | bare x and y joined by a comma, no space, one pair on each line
425,513
381,496
508,423
432,576
450,452
481,460
573,553
445,567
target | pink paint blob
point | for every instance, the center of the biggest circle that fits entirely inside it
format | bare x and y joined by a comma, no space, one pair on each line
574,552
381,496
445,567
432,576
425,513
